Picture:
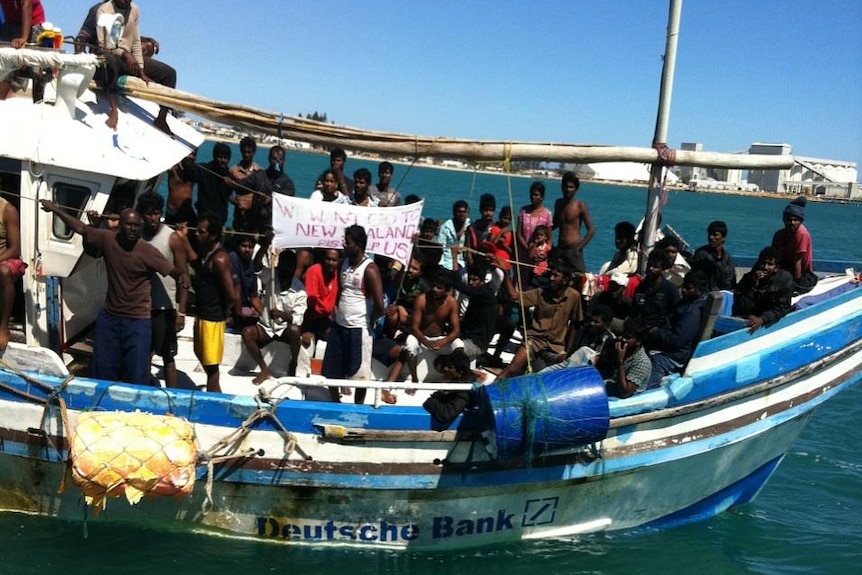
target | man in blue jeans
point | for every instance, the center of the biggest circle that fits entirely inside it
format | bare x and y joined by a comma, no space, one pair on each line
123,328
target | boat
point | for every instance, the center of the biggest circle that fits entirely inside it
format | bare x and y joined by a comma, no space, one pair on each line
532,457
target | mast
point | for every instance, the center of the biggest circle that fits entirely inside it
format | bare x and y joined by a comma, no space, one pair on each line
659,142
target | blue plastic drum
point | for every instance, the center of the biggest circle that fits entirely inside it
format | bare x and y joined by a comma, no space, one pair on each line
537,413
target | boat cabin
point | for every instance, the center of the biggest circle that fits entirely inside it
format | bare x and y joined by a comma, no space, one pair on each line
60,149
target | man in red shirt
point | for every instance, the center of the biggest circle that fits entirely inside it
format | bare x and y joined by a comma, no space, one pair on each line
321,285
20,16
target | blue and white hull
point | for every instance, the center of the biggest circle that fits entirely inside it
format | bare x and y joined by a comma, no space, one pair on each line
321,473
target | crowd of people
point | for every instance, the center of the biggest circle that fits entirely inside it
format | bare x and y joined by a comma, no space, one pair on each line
466,283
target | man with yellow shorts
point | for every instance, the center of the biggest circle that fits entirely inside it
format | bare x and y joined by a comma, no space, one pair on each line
214,296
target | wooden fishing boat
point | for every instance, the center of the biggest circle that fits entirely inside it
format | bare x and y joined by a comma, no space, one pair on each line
538,456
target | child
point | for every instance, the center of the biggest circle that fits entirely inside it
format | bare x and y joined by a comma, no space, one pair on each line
540,247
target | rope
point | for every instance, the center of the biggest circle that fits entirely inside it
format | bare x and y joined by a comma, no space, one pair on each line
235,437
507,164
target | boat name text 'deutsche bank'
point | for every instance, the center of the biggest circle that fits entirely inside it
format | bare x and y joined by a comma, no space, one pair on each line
536,512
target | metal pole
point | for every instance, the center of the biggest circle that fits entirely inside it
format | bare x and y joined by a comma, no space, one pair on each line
653,211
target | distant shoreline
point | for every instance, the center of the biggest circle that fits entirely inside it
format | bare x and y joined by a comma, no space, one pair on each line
551,176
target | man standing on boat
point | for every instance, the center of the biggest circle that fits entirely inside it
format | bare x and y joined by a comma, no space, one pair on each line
214,296
213,192
123,327
168,303
570,214
360,303
253,198
11,266
382,191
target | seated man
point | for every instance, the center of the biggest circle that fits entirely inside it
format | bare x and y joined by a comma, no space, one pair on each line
655,296
446,406
763,294
321,288
11,266
714,261
557,314
248,306
792,245
436,326
625,366
123,55
282,318
590,341
20,22
671,347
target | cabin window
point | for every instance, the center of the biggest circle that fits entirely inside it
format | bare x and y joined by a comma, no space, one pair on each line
72,199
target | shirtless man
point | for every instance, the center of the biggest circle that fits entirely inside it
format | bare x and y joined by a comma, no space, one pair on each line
569,214
436,326
11,266
179,202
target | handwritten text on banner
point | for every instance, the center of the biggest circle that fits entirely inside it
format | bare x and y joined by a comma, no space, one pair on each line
303,223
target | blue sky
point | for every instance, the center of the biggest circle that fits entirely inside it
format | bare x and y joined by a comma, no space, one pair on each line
585,72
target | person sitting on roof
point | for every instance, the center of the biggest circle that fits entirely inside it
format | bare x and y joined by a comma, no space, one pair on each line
763,294
792,245
119,41
22,21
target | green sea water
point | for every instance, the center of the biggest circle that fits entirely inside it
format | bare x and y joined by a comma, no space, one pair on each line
806,520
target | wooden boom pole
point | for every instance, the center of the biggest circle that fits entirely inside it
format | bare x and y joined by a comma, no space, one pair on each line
304,130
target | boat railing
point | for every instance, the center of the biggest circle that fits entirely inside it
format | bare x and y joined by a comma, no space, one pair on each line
319,381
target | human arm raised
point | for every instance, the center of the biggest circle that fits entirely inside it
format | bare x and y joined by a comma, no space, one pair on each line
73,223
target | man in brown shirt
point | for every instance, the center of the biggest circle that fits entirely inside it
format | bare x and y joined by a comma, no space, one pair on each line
123,326
557,314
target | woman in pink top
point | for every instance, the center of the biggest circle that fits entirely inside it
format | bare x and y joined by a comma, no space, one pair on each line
532,215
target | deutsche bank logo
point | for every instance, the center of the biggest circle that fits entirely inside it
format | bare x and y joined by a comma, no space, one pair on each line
540,511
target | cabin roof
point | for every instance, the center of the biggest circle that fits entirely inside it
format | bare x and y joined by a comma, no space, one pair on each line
47,134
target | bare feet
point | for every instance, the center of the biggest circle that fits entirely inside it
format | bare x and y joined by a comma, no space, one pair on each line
263,376
410,391
387,396
162,124
113,119
346,391
5,336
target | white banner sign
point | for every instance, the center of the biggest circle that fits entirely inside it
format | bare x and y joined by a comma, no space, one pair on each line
303,223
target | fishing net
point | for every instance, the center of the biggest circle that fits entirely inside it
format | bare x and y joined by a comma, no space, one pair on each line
132,454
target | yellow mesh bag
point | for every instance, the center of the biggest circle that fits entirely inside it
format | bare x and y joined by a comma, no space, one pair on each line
132,454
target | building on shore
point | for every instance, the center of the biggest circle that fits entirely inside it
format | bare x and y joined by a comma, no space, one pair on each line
829,179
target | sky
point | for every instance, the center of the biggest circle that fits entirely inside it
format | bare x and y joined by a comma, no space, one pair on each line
787,71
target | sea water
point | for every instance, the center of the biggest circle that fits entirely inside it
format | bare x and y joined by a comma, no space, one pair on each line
807,519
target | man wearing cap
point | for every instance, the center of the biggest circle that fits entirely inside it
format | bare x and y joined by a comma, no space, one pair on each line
792,244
